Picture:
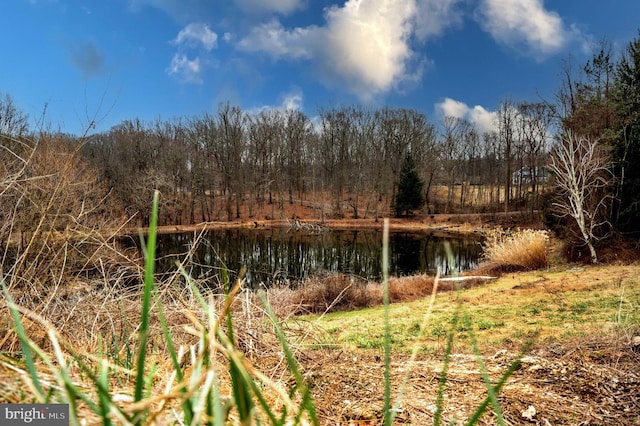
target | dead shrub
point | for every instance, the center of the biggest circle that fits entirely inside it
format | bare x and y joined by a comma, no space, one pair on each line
521,250
332,292
404,289
338,292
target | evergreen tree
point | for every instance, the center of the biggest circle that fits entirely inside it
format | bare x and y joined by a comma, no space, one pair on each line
626,151
409,196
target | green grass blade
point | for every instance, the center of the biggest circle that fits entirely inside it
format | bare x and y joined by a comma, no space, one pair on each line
240,382
388,415
24,343
219,416
105,401
241,377
64,379
241,394
143,335
101,387
515,364
307,401
442,382
483,370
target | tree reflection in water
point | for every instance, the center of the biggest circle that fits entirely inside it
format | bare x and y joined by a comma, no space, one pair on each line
279,255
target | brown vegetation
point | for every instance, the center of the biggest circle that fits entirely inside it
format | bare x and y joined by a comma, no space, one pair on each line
523,250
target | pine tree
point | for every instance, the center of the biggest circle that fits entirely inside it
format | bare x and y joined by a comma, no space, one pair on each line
627,149
409,196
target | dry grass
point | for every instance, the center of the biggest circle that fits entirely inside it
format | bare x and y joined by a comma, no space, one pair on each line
341,292
333,292
102,326
522,250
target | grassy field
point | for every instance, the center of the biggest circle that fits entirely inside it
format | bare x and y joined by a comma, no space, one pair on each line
555,304
581,369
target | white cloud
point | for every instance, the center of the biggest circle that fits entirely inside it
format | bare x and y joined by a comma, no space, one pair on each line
518,23
481,118
195,33
485,121
435,16
273,39
186,70
363,47
367,44
291,100
278,6
452,108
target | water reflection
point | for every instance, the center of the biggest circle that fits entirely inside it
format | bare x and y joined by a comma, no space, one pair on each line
281,255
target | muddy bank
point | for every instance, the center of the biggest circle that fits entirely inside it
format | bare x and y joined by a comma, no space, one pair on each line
464,223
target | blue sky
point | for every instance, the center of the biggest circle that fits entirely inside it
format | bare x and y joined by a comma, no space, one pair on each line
110,60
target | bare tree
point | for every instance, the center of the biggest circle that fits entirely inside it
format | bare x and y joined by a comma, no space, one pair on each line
507,114
582,172
534,122
360,155
231,125
455,131
335,139
297,128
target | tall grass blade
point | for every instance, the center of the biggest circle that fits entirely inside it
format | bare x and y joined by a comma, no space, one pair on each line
240,383
388,415
105,401
307,401
483,371
143,335
236,358
216,402
24,343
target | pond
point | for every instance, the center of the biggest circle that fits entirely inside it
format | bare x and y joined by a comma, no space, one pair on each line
286,256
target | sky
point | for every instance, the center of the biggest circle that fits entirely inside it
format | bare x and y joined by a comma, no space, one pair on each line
87,65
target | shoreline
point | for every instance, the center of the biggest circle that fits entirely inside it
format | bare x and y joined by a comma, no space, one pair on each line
466,223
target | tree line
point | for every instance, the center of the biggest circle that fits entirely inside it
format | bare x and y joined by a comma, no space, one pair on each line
346,162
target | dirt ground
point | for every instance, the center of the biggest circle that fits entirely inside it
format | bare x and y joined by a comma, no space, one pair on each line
584,382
